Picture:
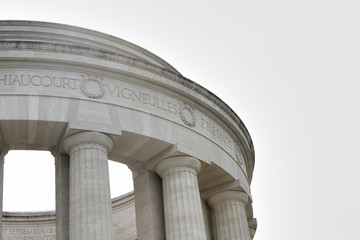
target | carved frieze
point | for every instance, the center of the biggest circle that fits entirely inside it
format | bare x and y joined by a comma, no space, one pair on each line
121,93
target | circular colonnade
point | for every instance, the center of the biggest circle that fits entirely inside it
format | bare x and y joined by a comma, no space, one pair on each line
88,97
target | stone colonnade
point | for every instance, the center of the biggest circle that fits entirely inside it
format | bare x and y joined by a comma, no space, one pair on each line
171,201
182,207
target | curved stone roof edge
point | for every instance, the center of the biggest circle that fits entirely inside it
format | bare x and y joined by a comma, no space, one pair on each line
227,109
112,56
51,214
29,216
28,213
90,32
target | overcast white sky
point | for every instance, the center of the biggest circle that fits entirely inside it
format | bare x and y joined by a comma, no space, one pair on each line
289,69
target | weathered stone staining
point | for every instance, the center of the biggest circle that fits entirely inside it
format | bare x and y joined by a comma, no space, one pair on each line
88,97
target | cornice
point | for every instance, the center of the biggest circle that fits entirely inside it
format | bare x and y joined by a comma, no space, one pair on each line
168,73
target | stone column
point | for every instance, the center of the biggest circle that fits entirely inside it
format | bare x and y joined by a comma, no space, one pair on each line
230,215
62,172
182,204
2,155
90,201
252,227
149,208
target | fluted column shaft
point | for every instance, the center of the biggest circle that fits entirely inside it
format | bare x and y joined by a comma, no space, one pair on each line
1,186
182,203
230,215
90,201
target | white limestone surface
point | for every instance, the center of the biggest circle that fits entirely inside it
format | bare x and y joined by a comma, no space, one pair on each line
57,81
41,225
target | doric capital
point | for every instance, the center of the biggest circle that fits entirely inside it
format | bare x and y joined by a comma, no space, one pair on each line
228,195
87,138
177,162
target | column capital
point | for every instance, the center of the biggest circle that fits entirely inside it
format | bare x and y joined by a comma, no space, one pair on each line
87,137
177,161
89,209
228,195
182,202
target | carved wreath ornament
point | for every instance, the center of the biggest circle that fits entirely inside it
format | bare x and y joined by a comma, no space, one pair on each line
92,86
182,111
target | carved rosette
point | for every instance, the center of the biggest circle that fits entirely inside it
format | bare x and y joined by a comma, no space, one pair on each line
92,86
187,114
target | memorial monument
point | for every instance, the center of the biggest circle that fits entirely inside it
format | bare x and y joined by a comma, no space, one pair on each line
88,97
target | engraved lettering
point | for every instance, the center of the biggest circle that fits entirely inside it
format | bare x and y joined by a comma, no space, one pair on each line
157,103
29,233
37,77
74,82
203,123
152,103
24,82
145,98
58,82
208,127
46,81
137,96
216,133
4,80
175,108
66,82
169,105
119,231
16,80
95,87
124,94
112,90
163,105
